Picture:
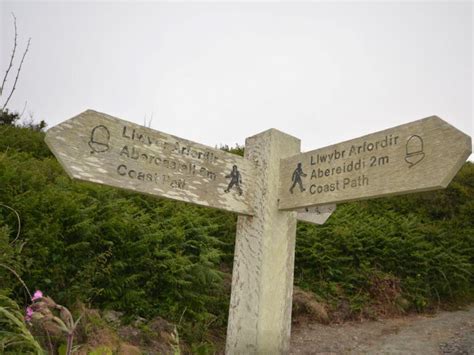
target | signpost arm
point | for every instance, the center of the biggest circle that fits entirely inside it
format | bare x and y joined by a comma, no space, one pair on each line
262,280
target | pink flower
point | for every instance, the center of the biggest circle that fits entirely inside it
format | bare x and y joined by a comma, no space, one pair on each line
29,314
38,294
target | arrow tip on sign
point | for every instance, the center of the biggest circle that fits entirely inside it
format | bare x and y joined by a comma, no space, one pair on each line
457,144
463,145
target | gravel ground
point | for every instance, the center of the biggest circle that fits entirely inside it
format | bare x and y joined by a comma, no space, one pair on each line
442,333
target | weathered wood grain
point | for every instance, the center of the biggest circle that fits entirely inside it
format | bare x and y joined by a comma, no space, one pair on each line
262,278
99,148
418,156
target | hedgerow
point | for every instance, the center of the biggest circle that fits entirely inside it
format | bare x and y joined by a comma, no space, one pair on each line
113,249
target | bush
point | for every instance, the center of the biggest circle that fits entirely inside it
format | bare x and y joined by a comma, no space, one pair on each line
112,249
416,239
117,250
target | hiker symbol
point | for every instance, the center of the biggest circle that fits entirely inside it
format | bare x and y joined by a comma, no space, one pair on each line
235,180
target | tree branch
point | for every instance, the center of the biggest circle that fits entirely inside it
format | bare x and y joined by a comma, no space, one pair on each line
11,57
24,108
17,74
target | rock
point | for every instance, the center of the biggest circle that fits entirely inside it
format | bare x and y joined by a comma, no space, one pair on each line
305,302
130,334
156,337
158,324
112,317
128,349
139,321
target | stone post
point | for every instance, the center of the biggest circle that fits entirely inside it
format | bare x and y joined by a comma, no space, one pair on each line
262,279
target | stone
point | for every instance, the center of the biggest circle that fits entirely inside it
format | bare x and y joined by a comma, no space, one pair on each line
112,317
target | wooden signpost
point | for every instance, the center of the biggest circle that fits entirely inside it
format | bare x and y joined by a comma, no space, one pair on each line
418,156
270,188
103,149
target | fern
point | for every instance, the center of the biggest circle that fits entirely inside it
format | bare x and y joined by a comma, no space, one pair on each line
15,338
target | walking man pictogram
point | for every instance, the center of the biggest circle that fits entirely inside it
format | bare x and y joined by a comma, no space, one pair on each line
235,179
296,178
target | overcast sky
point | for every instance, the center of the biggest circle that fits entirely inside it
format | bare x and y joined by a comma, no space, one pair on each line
217,73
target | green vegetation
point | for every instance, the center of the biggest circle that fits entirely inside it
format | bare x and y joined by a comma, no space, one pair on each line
14,334
111,249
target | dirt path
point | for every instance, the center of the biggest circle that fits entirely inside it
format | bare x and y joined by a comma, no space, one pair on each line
443,333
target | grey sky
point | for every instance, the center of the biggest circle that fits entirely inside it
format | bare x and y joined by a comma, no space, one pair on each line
217,73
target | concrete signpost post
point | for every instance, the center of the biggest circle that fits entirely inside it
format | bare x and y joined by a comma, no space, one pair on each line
271,188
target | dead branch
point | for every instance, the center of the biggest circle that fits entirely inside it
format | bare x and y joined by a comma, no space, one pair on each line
24,108
11,57
17,74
